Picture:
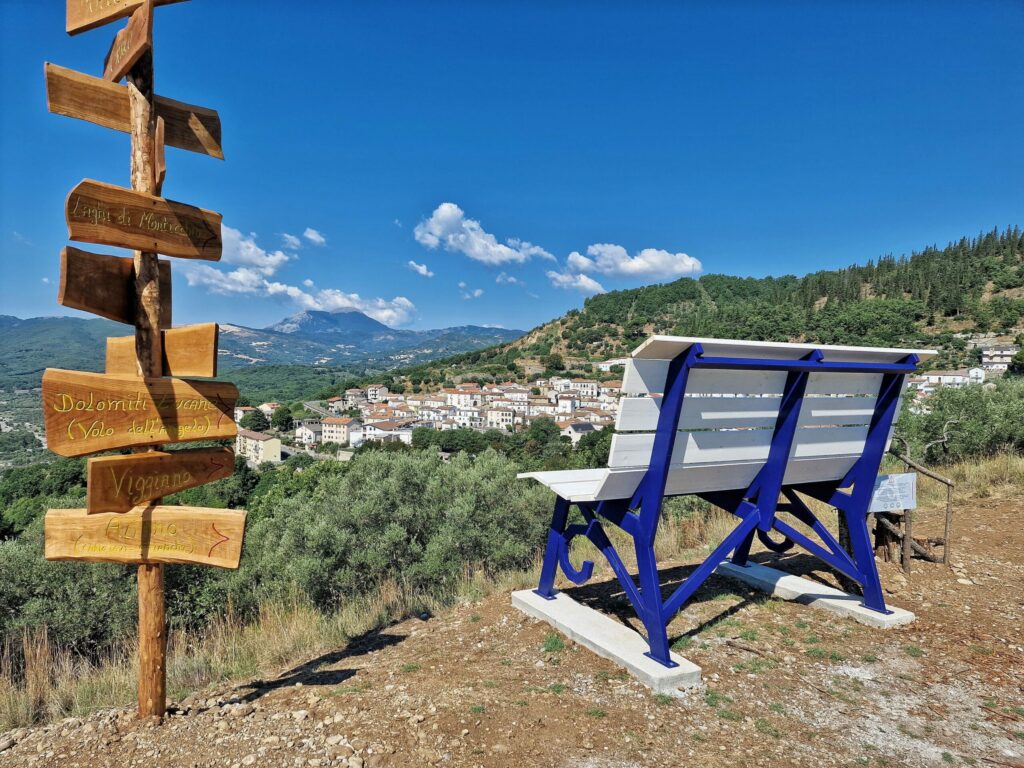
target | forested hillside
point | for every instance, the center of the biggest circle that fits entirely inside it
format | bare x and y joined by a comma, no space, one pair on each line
940,297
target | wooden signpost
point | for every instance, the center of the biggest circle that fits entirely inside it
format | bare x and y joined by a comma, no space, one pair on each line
188,351
154,534
84,15
105,285
140,402
110,215
88,412
130,43
120,483
74,94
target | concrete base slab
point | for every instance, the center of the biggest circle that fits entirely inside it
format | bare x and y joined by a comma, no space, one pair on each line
789,587
608,639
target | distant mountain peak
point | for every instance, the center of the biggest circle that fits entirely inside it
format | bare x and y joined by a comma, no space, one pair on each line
314,322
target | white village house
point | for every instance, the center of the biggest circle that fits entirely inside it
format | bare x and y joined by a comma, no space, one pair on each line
998,358
338,429
309,432
257,447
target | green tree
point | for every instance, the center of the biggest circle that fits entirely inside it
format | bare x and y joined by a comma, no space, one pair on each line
1017,364
255,420
282,419
553,362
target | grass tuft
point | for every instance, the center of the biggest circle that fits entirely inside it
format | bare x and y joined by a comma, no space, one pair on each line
553,643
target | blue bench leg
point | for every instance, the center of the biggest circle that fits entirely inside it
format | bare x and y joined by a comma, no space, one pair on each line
739,557
864,556
650,593
546,587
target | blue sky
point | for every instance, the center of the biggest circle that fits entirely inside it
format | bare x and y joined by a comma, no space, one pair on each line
445,163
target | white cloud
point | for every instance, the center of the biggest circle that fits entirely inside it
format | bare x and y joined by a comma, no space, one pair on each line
241,250
398,223
471,293
449,227
420,269
582,283
506,279
254,267
316,238
46,280
611,259
462,284
291,241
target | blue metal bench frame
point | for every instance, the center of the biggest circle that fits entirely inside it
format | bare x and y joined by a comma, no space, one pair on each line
756,506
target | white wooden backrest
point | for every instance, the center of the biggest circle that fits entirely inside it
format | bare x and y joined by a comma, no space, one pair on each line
728,416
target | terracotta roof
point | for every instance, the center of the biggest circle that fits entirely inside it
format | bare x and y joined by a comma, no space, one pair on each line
339,420
250,435
388,426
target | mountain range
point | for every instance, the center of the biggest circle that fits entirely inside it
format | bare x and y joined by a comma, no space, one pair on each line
345,338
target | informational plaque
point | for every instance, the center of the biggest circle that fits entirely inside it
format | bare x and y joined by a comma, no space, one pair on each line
894,492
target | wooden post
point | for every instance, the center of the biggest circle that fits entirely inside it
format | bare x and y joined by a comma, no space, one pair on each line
948,532
908,538
148,350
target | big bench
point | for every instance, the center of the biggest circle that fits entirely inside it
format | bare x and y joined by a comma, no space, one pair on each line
746,426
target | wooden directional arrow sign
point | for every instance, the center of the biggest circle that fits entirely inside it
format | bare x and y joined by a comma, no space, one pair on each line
103,213
88,14
119,483
98,101
105,285
155,534
90,412
130,43
188,351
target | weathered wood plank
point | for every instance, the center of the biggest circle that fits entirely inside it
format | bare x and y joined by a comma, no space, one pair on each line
130,43
83,15
90,412
112,215
119,483
105,285
95,100
154,534
187,351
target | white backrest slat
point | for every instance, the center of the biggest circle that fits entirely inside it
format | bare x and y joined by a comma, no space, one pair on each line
704,381
844,383
741,445
621,483
640,414
643,376
725,477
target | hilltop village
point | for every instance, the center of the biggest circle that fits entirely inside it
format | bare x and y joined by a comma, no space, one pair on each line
374,414
578,406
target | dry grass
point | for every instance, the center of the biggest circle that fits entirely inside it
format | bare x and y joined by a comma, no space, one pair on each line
996,477
40,682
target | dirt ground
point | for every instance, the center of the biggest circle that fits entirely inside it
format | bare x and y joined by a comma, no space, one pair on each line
482,685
